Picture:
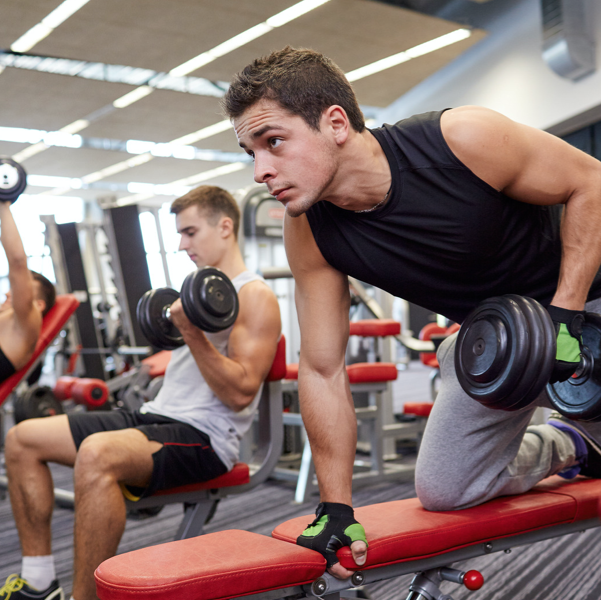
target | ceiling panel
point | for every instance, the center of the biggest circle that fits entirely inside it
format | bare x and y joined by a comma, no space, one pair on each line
18,16
160,117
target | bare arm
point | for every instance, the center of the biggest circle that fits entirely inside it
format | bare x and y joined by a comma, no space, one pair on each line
19,276
535,167
235,379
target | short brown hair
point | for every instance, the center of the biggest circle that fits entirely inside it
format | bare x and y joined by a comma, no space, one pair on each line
212,202
302,81
47,291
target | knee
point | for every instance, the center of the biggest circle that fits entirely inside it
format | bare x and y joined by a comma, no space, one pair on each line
93,461
437,492
16,447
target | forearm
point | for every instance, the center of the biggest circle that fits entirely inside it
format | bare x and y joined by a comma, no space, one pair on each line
329,418
581,249
227,378
10,238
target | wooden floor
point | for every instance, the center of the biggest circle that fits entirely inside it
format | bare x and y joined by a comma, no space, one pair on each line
568,568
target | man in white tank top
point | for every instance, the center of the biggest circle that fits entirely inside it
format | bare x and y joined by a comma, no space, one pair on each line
189,433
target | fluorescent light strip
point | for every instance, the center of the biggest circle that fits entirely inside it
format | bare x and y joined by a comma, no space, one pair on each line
133,96
38,32
279,19
401,57
186,182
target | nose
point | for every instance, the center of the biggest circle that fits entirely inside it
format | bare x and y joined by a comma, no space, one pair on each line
182,244
263,170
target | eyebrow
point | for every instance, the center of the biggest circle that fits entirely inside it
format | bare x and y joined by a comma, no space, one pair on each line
259,132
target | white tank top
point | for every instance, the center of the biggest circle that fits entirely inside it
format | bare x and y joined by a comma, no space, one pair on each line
186,396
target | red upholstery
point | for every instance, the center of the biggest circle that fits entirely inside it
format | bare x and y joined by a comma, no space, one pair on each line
403,530
235,563
54,321
371,372
215,566
158,363
451,329
429,358
239,475
419,409
278,368
92,393
375,327
63,386
358,372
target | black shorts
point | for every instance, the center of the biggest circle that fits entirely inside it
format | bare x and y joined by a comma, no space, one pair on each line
186,456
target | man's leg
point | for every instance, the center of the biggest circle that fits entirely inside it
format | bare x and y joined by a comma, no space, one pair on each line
30,445
104,459
471,453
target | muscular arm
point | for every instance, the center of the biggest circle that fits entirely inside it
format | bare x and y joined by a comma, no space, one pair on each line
19,276
532,166
322,302
236,378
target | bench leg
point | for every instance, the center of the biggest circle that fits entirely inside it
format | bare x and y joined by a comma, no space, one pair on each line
194,519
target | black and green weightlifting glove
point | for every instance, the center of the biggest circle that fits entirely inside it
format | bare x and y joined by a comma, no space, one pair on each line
568,326
334,527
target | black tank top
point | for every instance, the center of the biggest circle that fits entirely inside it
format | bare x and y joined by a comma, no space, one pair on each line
445,240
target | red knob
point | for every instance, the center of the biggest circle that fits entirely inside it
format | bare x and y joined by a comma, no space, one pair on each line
473,580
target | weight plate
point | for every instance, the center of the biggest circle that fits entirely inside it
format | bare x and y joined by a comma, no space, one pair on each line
37,401
540,357
210,300
579,398
491,351
156,327
13,179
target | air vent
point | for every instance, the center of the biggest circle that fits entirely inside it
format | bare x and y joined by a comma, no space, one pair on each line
567,47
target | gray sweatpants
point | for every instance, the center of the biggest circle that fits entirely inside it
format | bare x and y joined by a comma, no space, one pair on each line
471,453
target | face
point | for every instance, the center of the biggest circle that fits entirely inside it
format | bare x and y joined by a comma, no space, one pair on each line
297,163
204,243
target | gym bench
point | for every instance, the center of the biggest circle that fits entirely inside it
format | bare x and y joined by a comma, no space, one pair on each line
53,323
200,499
403,538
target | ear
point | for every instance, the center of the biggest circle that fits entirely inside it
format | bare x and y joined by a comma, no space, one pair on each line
40,304
226,227
335,120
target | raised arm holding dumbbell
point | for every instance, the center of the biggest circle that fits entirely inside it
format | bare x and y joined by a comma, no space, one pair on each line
31,295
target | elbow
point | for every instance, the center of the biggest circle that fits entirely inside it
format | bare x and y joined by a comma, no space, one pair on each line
242,399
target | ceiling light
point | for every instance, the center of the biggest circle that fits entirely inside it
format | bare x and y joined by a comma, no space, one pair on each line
401,57
294,12
29,152
30,38
38,32
62,12
75,126
133,96
279,19
211,173
206,132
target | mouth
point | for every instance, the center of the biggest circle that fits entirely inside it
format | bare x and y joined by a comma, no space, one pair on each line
279,194
192,257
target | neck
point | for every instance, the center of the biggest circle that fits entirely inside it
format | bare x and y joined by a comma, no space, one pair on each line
232,263
363,177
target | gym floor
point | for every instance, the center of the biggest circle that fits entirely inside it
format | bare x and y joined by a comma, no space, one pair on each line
568,568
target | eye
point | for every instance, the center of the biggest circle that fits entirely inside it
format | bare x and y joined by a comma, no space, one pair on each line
250,153
275,142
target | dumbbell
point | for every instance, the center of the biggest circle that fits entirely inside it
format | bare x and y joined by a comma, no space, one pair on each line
13,179
92,393
505,354
209,300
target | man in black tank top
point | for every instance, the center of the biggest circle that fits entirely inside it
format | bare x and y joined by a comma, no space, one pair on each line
443,209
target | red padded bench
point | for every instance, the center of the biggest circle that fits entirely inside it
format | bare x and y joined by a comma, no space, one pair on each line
200,499
403,538
52,325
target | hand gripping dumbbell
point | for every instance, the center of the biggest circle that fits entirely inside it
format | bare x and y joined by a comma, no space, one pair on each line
13,179
505,354
209,300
